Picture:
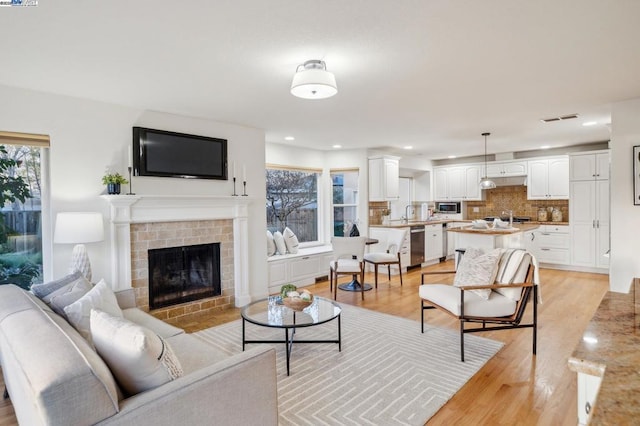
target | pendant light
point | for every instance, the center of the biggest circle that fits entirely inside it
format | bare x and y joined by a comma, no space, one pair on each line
313,81
485,182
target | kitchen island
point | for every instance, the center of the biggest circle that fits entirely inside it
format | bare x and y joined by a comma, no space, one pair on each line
606,360
492,237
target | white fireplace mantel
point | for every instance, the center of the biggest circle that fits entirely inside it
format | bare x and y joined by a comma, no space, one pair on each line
128,209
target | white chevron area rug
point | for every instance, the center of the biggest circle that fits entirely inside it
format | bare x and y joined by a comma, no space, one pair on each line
388,373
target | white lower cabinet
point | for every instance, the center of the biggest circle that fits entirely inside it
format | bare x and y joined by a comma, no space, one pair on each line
588,387
299,270
550,244
589,218
433,242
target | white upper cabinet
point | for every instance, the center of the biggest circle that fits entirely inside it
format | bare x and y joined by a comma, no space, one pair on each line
506,169
384,178
458,183
548,179
594,166
440,184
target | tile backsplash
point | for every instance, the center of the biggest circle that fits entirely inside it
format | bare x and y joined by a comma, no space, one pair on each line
512,198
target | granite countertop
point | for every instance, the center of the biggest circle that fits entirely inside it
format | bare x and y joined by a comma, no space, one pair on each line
520,227
441,221
419,223
609,349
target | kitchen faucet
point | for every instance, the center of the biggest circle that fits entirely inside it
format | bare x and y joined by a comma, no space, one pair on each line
406,212
510,216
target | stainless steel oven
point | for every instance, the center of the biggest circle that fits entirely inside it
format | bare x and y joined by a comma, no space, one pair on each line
449,207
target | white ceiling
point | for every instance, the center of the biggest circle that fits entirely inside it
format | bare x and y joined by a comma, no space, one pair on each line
434,74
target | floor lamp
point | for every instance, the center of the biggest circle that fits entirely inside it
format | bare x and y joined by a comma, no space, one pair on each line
79,228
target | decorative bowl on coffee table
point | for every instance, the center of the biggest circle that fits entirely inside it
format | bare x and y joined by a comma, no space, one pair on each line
296,303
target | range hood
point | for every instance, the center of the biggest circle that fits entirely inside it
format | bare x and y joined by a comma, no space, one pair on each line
510,181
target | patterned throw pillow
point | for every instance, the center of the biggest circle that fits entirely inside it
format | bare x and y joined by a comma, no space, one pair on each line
68,294
290,240
138,358
478,268
41,290
271,244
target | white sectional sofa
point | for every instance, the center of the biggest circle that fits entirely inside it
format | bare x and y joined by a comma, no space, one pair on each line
55,377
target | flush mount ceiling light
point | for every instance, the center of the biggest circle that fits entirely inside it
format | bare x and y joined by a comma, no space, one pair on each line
313,81
485,182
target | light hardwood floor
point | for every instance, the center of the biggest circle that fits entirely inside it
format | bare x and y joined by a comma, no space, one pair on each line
514,387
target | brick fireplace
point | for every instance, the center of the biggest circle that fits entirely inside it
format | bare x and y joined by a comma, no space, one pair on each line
140,223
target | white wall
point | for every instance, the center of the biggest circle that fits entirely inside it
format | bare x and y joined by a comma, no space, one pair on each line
625,216
88,136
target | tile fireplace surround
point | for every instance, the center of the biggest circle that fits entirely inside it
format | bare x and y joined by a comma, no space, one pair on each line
132,215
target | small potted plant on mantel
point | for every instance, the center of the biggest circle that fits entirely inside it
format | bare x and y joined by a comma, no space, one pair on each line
113,182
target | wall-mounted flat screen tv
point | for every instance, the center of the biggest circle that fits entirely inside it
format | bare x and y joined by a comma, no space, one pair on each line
171,154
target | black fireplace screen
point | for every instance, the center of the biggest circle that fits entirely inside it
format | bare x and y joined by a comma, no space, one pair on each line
183,274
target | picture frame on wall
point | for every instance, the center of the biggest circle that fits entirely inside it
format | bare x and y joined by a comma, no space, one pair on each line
636,175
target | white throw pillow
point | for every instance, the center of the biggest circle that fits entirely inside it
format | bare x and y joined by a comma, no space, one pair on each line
99,297
290,240
139,359
478,268
280,244
271,244
68,294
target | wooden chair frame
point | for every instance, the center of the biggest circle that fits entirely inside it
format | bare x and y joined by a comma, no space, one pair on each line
529,290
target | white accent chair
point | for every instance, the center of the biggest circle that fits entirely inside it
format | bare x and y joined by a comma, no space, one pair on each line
391,256
348,259
516,282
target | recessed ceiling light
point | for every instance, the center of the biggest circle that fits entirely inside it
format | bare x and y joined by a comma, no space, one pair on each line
336,146
545,147
407,147
589,123
452,156
289,138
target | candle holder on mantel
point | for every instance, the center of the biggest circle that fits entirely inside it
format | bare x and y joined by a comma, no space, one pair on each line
244,186
130,187
234,188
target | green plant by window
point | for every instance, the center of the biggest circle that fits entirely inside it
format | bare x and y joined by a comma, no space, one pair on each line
114,178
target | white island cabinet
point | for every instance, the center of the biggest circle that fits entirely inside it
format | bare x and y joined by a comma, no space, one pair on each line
433,242
491,238
588,387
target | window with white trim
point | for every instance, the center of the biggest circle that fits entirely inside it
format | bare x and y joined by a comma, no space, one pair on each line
292,201
21,189
344,200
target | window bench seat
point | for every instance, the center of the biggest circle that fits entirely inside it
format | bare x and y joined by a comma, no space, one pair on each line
300,269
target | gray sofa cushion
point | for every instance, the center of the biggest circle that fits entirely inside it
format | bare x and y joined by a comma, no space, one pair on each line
55,367
161,328
193,353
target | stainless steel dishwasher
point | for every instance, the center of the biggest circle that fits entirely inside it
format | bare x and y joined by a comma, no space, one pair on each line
417,245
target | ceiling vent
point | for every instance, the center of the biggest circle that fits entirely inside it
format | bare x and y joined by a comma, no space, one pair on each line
562,117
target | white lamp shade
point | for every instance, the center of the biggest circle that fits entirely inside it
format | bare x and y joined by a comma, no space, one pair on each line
313,84
78,228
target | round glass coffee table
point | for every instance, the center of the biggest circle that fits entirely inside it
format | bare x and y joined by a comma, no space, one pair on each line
270,312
